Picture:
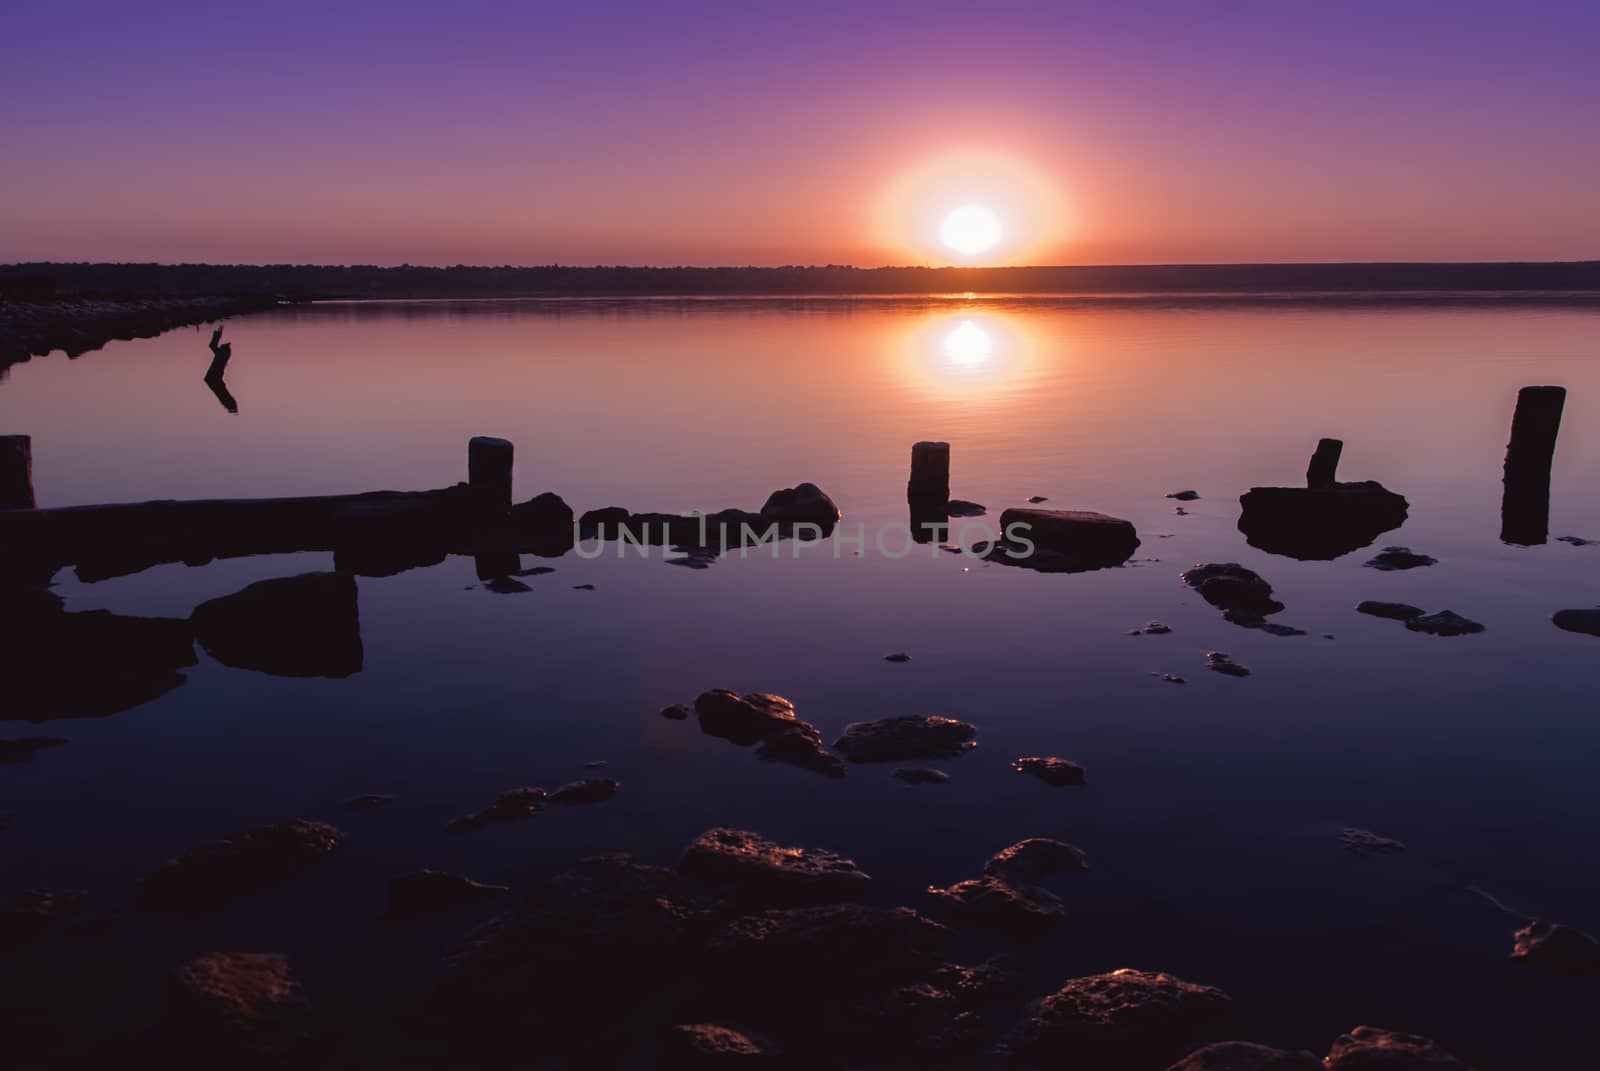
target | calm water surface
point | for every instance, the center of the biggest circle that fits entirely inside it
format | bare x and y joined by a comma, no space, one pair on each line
1212,808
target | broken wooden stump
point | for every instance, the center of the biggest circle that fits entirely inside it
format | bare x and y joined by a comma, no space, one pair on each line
1525,507
489,473
929,486
16,472
1324,466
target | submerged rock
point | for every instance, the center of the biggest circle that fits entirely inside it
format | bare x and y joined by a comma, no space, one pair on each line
508,807
293,626
1366,842
1367,1048
505,585
921,776
1218,662
1053,771
212,875
422,891
24,748
838,948
912,736
1578,541
1185,496
1444,623
676,712
1585,621
26,915
760,717
369,800
1246,1056
1126,1018
1036,499
752,868
803,503
1394,611
1066,541
801,745
1230,586
1035,859
993,903
589,790
898,656
1246,619
1152,628
1392,558
958,507
692,1046
233,1009
1557,949
1319,523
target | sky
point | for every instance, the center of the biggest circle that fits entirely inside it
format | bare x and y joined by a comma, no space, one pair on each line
780,133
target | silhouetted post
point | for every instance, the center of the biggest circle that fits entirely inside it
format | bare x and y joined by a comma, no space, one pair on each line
930,475
1525,509
489,472
1324,468
16,472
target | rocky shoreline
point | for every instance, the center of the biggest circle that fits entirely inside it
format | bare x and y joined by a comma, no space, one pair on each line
79,325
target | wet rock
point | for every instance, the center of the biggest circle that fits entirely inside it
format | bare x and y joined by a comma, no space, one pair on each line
233,1009
1578,541
1053,771
921,1025
1366,842
1035,859
1394,611
583,587
998,979
1557,949
1443,623
505,585
589,790
751,868
1063,540
27,915
1319,523
913,736
921,776
801,745
1247,619
212,875
1393,558
1036,499
596,764
293,626
1180,511
1018,910
1185,496
958,507
536,570
544,524
509,806
1218,662
1126,1018
1367,1048
743,719
898,656
1230,586
676,712
706,1045
24,748
367,801
1246,1056
1152,628
804,502
422,891
833,949
1585,621
1170,678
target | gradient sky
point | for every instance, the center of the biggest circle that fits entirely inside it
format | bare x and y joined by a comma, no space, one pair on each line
771,133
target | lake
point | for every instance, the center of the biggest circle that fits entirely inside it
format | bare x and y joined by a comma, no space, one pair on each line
1212,809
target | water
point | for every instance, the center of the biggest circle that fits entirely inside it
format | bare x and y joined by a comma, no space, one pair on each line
1211,811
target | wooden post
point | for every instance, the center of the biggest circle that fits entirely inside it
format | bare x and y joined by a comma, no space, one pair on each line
930,475
1324,467
1525,509
489,472
16,472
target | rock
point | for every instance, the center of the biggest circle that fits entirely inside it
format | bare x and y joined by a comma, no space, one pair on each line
26,915
22,749
233,1009
1153,628
505,585
1035,859
760,717
362,803
1578,541
1394,611
1246,619
544,524
422,891
596,764
605,522
676,712
1585,621
1368,1048
1126,1018
751,868
293,626
590,790
801,745
826,950
920,1025
1557,949
913,736
1246,1056
1393,558
921,776
1365,842
1055,772
1443,623
898,656
1185,496
995,904
803,503
583,587
1319,524
536,570
1036,499
1224,664
705,1045
1230,586
509,806
958,507
1180,511
1170,678
210,876
1065,540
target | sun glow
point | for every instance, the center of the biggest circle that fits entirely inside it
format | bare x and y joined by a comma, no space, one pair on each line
968,344
970,230
973,206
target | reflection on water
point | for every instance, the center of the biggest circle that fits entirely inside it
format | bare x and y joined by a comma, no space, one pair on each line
968,344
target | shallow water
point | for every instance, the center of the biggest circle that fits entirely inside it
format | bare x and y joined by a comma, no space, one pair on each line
1211,809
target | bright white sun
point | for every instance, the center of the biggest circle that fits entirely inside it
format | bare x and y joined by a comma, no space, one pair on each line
970,229
968,344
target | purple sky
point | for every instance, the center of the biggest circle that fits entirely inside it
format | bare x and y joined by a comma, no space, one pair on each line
773,133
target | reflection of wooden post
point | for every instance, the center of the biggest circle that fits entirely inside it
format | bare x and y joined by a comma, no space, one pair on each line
489,472
1324,467
16,472
1525,509
930,475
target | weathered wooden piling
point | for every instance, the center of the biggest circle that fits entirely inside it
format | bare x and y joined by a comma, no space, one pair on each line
16,472
1525,508
930,475
1324,468
489,472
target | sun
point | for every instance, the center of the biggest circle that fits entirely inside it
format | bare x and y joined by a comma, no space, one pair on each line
970,230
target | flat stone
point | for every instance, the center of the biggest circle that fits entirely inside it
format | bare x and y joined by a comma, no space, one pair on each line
1368,1048
752,868
994,903
958,507
1319,523
1394,611
1230,586
1393,558
505,585
1246,1056
214,874
1036,499
676,712
1034,859
1053,771
1218,662
1185,496
369,800
913,736
898,656
1585,621
422,891
743,719
589,790
22,749
1557,949
1444,623
706,1045
921,776
509,806
1080,538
